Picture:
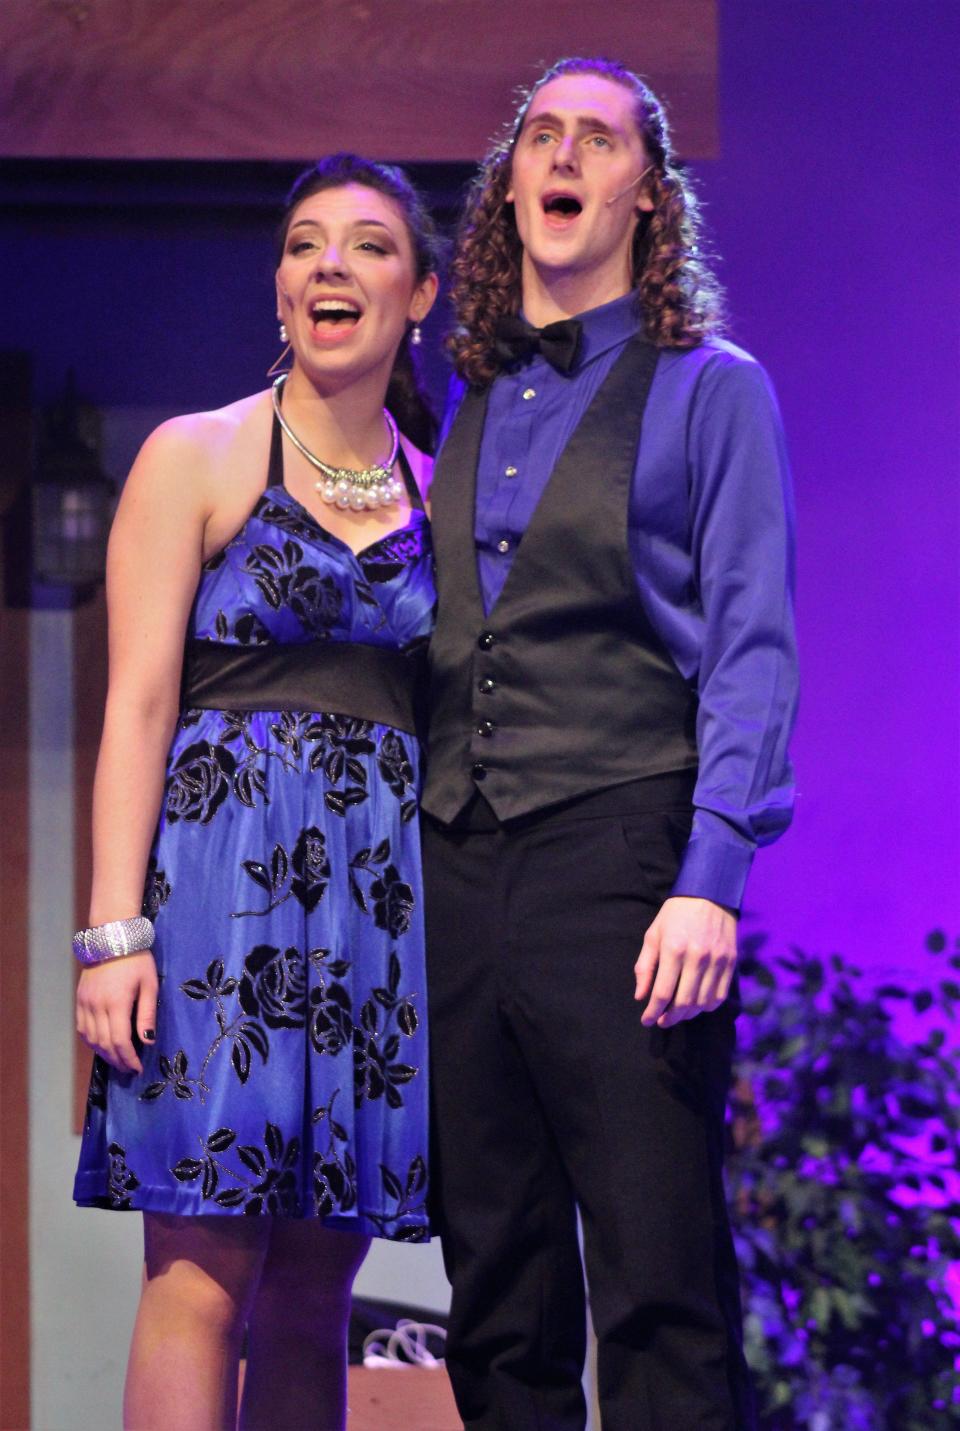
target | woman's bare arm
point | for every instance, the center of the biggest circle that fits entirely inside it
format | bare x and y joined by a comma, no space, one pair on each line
153,567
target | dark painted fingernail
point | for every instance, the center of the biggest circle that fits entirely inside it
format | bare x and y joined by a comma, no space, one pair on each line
149,1034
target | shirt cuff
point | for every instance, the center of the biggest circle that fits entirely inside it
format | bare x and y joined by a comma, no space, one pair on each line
716,870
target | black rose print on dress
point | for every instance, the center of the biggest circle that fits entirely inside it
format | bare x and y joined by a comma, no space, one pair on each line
296,524
377,1070
303,874
334,1170
156,890
273,987
392,897
121,1182
244,1033
410,1196
331,1008
97,1092
393,902
199,782
385,560
339,743
268,1185
397,771
285,580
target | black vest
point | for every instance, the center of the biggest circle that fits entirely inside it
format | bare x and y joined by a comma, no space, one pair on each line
564,688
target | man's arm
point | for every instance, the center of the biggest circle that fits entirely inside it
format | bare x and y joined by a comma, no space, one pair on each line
741,523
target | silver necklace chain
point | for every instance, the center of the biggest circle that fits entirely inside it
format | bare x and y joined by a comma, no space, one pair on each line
343,487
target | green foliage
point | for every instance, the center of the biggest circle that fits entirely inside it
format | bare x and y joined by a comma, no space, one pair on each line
843,1183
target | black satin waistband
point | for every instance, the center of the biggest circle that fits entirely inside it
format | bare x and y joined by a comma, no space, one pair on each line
346,677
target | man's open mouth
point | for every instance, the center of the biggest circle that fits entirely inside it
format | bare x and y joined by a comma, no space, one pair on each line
562,206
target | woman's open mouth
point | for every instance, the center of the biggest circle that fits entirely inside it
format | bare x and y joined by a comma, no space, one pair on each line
334,318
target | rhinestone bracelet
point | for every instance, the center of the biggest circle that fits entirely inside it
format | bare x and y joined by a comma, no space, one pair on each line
113,940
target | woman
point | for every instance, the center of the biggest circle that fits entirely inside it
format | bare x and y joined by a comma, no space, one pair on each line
259,1087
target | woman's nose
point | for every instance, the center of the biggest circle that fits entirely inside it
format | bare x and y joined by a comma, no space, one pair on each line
332,261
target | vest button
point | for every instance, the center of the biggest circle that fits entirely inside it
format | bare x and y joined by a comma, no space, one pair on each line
485,727
486,640
478,771
487,685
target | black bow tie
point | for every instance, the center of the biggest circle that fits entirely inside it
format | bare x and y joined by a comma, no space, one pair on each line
516,339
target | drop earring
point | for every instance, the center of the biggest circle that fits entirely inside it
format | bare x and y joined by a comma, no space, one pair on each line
416,337
285,340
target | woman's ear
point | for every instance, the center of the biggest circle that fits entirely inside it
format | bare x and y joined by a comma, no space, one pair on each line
424,297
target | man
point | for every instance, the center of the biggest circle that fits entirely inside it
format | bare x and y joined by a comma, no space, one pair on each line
612,690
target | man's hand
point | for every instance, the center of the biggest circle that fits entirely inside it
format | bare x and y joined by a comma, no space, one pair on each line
687,961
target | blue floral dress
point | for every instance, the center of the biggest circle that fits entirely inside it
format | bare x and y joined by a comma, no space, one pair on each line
289,1072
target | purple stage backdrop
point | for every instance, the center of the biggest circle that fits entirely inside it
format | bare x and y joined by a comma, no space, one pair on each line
836,206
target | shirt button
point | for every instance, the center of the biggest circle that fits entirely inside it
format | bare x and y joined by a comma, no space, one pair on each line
503,546
478,770
487,685
510,471
529,393
486,640
485,727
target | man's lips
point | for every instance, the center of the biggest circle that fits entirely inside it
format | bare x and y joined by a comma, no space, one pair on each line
561,208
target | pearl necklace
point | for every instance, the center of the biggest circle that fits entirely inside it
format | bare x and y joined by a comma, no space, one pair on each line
345,487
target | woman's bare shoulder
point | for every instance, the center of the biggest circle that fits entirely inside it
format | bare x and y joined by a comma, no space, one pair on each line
208,437
199,451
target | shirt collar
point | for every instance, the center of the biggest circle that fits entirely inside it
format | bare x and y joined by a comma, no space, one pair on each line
607,326
603,328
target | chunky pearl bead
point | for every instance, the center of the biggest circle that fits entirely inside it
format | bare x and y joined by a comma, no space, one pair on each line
357,501
342,500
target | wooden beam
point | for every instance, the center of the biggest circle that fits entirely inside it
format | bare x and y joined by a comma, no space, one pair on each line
408,80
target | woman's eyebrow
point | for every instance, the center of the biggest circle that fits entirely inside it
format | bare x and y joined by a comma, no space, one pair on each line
357,224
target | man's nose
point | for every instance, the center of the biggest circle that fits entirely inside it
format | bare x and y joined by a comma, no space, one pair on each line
565,154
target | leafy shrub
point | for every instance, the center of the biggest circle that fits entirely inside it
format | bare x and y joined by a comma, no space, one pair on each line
843,1181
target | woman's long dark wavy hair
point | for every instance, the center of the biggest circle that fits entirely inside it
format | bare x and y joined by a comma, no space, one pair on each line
680,298
406,395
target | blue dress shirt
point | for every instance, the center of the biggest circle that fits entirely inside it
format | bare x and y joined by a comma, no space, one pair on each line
710,528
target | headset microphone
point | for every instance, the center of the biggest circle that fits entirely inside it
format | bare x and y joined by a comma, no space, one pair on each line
632,185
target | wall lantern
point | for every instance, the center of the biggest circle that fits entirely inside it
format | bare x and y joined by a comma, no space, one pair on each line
72,499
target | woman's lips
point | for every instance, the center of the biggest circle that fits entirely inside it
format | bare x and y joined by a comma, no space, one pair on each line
327,334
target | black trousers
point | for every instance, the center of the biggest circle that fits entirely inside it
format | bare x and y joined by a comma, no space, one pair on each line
550,1095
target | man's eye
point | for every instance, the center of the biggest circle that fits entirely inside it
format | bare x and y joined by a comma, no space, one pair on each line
544,136
600,141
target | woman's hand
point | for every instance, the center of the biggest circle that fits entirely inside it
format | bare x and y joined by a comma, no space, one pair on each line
108,996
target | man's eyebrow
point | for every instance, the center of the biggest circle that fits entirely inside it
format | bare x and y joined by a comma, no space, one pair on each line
583,121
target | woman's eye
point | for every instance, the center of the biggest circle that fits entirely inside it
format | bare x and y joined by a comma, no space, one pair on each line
368,246
300,246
